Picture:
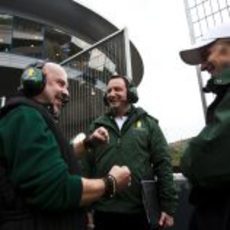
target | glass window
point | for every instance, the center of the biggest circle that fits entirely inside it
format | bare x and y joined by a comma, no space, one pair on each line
6,32
27,30
58,45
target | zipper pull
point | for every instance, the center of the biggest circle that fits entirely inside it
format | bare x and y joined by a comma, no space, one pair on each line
118,141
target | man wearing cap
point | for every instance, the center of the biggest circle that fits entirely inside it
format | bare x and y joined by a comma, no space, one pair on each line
206,160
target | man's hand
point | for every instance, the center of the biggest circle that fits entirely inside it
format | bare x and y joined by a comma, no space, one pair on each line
165,220
122,176
99,136
118,178
81,143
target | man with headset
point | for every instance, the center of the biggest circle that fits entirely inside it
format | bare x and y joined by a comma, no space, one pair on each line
135,140
40,185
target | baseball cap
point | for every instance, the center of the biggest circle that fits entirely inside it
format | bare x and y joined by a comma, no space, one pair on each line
193,56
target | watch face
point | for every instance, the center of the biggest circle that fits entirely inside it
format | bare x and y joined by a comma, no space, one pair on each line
78,138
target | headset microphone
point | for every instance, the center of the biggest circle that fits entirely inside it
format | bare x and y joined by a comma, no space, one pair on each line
65,99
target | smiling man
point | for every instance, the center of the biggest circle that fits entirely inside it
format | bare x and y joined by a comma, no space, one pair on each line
206,160
135,140
40,183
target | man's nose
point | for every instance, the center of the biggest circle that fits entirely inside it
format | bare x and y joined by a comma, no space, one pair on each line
65,91
65,96
203,66
206,66
111,93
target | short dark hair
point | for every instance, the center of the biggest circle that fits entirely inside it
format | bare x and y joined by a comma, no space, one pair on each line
116,76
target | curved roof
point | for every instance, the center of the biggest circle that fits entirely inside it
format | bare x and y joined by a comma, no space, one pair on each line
72,18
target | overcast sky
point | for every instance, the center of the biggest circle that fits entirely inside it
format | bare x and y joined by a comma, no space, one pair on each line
169,89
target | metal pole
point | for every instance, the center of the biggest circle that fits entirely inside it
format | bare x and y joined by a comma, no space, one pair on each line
202,96
199,77
91,47
128,55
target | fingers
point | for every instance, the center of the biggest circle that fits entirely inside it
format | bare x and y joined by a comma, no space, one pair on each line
125,168
166,220
104,133
78,138
101,134
98,137
122,175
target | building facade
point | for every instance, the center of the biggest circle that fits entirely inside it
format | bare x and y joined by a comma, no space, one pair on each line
89,47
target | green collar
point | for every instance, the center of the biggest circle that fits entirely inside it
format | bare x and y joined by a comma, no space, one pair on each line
217,82
223,78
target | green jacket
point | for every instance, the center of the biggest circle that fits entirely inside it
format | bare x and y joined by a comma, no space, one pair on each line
139,143
35,165
206,159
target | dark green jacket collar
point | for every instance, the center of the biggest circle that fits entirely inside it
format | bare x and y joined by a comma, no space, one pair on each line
218,82
108,119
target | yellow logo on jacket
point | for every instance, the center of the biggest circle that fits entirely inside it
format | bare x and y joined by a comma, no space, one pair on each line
138,124
30,72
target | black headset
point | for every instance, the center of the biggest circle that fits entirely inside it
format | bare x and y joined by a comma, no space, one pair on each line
33,79
132,95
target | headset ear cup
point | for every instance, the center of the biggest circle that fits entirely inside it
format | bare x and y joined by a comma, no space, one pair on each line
132,94
105,100
32,81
